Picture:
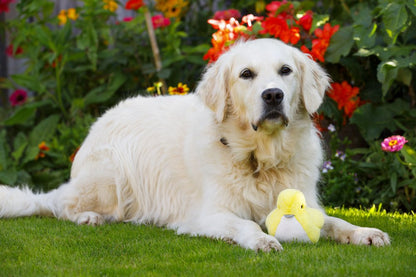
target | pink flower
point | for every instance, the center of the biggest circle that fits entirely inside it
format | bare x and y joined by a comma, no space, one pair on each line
393,143
127,19
18,97
160,21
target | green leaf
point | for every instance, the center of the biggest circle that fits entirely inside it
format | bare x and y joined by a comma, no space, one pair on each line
24,113
364,36
19,145
372,120
8,177
394,19
409,155
20,116
103,93
393,182
44,130
386,74
29,82
64,35
3,151
317,21
340,45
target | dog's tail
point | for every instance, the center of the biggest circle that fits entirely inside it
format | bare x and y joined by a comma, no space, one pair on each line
16,202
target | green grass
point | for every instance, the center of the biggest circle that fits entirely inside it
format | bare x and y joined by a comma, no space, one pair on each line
48,247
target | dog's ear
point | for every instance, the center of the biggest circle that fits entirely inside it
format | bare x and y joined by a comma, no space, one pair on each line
314,82
214,86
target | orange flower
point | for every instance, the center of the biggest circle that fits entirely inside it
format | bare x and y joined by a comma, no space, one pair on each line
110,5
72,157
42,149
228,32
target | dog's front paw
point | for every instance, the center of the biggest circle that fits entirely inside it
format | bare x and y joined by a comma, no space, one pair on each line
265,243
90,218
369,236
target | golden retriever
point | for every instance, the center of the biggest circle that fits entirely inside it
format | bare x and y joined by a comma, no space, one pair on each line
210,163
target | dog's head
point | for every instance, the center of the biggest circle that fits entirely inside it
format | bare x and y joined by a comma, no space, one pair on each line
264,83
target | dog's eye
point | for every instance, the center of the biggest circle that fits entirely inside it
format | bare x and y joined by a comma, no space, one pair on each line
247,74
285,70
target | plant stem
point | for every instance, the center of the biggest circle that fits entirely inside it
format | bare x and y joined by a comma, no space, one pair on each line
155,48
59,88
403,162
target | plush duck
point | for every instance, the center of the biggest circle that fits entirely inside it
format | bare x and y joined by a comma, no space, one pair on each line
293,220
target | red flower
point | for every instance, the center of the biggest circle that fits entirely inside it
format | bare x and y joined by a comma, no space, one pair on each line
227,14
320,44
160,21
275,6
291,35
327,32
134,4
274,26
4,5
346,97
10,51
18,97
306,21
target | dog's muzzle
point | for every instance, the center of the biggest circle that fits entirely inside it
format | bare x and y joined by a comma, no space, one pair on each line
272,107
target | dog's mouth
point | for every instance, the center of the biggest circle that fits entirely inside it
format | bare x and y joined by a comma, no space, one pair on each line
275,117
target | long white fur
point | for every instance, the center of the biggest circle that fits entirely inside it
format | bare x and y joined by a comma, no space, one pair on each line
160,160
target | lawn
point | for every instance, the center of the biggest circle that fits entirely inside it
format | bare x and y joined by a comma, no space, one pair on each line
48,247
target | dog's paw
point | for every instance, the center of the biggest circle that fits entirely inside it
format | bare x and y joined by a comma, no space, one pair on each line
369,236
90,218
265,243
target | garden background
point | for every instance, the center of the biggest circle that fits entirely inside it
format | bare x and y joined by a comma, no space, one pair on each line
75,60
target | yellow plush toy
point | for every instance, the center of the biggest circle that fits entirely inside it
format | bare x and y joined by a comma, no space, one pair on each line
293,220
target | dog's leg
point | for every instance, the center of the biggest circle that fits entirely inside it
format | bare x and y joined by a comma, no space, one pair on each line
345,232
88,199
228,226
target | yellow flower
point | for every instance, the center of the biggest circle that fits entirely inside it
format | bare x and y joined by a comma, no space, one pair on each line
181,89
110,5
171,8
62,17
156,88
151,89
65,14
72,14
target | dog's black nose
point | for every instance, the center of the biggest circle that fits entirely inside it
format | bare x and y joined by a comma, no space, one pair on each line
272,96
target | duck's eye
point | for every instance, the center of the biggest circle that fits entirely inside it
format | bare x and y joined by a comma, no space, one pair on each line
301,206
285,70
247,74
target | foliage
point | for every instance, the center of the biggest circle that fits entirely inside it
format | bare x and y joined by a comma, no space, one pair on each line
363,176
77,64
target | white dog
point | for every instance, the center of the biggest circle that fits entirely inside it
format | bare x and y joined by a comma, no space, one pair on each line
210,163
